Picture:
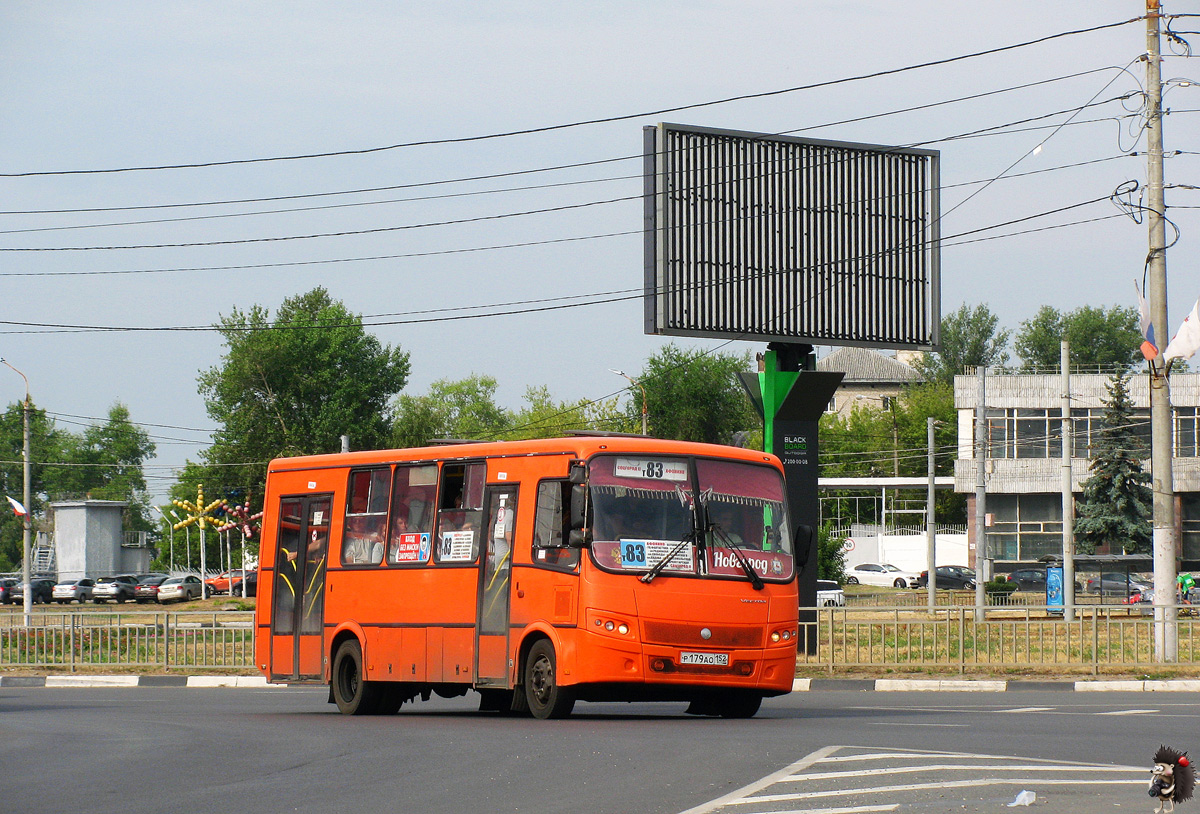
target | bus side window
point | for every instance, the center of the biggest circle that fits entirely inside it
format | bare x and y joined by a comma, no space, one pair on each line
460,512
366,517
551,526
412,496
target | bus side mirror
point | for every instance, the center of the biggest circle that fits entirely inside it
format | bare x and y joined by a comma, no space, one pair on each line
802,541
578,472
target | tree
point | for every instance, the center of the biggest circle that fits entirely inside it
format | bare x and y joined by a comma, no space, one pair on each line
969,337
874,441
693,395
294,385
1116,505
451,409
831,555
543,417
106,463
1099,338
45,445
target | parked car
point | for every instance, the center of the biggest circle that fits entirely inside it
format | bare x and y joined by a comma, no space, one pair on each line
247,586
220,583
114,589
147,587
870,573
42,591
1032,579
949,576
1112,583
79,590
179,589
830,594
6,586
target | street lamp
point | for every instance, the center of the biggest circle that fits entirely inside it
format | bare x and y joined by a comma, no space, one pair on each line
171,519
634,381
27,525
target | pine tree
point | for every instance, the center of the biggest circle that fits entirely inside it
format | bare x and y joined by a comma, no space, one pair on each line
1116,505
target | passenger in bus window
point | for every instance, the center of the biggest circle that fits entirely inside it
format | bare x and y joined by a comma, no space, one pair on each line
727,518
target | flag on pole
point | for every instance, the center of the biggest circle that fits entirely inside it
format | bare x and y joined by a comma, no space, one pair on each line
18,509
1187,341
1149,348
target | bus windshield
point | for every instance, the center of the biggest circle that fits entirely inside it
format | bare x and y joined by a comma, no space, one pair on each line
646,509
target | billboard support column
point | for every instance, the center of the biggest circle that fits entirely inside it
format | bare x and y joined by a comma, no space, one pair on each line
791,397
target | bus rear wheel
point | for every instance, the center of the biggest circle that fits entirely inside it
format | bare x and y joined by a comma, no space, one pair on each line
547,699
353,694
740,705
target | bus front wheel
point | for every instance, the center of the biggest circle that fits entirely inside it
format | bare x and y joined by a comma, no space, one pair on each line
547,699
353,694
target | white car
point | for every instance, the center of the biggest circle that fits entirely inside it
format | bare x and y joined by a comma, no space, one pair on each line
180,589
830,594
871,573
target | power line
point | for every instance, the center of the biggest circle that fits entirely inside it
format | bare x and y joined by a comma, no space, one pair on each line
586,122
605,299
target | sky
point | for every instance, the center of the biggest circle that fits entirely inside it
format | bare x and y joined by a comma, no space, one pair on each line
125,85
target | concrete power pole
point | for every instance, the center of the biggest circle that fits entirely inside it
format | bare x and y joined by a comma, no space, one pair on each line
1068,494
1165,611
981,552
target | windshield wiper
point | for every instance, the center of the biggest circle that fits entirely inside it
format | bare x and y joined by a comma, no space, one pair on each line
657,568
755,580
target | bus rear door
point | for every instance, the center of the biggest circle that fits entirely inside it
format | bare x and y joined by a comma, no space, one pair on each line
298,609
500,511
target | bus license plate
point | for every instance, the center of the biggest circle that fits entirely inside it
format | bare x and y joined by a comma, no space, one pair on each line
711,659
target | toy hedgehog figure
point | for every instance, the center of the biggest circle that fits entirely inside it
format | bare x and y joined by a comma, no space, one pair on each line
1172,779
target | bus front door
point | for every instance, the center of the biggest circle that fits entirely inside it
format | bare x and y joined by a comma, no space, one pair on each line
298,598
492,629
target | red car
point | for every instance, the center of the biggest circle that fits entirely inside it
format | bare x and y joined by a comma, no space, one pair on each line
220,583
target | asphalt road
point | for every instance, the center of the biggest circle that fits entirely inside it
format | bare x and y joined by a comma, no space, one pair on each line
285,750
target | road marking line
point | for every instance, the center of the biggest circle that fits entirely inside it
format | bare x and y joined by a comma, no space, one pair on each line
939,767
983,781
1129,712
1027,709
91,681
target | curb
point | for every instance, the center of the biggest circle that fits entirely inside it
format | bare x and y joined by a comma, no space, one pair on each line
989,685
799,685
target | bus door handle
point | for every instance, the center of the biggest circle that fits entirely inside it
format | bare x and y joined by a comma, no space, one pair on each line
520,593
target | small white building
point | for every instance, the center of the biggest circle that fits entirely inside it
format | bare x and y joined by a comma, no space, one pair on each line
90,540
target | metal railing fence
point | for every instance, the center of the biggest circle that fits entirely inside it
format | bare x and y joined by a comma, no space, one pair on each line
954,638
168,641
957,638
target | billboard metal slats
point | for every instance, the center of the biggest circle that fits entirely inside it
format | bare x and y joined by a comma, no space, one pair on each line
784,239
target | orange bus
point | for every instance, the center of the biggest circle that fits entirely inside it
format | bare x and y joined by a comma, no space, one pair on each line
594,567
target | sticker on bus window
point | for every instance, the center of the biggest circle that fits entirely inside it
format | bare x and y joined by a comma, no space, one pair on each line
650,469
647,554
412,548
457,546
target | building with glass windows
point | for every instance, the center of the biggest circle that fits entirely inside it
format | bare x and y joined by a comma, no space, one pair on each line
1023,458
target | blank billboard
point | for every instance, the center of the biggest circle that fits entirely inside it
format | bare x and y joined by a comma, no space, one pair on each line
776,238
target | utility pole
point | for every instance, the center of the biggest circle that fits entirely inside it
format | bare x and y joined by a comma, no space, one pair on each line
930,528
981,574
27,520
1165,612
1068,492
